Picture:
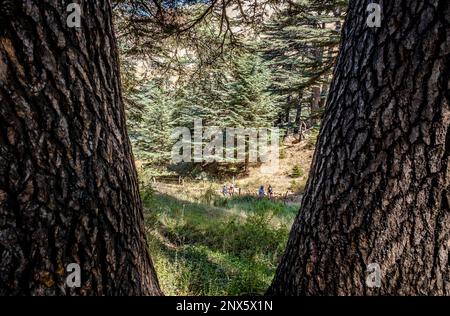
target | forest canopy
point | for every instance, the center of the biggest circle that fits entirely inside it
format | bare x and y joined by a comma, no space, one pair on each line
229,63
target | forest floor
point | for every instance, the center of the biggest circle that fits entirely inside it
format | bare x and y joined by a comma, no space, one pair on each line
205,244
291,175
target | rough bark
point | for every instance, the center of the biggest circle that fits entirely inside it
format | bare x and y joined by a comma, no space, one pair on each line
379,183
68,185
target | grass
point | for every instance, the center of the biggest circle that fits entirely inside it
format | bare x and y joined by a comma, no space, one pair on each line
212,245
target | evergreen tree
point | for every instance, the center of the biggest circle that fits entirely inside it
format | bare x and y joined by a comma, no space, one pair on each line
250,102
300,46
150,124
232,93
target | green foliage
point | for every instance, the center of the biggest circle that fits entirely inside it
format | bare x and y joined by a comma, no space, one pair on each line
254,86
149,123
250,102
301,42
232,93
209,196
312,138
297,172
198,270
200,249
216,245
300,46
298,186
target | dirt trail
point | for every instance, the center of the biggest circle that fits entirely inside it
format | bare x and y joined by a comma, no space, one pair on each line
292,153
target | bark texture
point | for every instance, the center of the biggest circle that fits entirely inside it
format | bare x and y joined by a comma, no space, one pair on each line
379,184
68,185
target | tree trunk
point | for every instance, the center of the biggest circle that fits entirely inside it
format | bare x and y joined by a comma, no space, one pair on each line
68,184
379,189
298,114
323,95
315,103
287,111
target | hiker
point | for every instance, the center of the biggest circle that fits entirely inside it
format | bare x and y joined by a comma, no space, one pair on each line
231,190
261,192
225,190
270,191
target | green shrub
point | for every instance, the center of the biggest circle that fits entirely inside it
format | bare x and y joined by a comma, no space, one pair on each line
312,138
221,201
147,194
298,186
297,172
209,196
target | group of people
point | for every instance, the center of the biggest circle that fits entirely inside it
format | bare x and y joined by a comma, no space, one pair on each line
232,190
229,190
262,192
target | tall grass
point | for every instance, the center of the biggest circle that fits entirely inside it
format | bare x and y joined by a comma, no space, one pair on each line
216,245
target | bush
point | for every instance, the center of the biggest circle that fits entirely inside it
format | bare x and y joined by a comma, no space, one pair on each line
312,139
221,201
297,172
209,196
147,194
298,187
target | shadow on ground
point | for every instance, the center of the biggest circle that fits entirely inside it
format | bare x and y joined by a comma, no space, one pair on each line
215,246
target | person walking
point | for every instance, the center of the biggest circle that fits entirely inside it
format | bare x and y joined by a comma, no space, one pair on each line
261,192
270,191
225,190
231,192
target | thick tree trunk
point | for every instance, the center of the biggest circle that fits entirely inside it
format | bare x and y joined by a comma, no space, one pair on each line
68,186
379,185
